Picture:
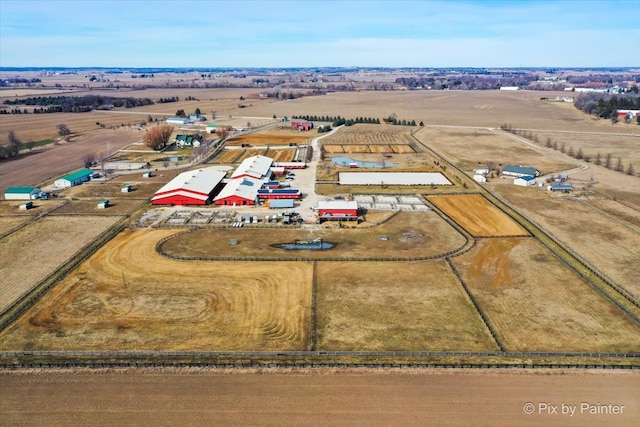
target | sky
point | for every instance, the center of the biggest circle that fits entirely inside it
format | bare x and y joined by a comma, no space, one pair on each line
243,33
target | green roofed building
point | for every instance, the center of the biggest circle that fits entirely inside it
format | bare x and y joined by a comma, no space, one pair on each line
75,178
21,193
519,170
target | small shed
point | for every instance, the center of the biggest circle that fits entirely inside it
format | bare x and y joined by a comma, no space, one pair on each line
563,188
126,188
147,174
479,178
281,204
26,206
21,193
103,204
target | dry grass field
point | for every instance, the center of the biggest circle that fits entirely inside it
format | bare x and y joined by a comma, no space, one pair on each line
476,215
31,253
369,134
368,148
12,207
411,234
471,149
116,207
611,245
8,223
227,157
395,306
273,136
536,303
112,189
110,302
45,164
281,155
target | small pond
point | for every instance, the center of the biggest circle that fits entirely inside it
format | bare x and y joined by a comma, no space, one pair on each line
315,244
171,159
346,161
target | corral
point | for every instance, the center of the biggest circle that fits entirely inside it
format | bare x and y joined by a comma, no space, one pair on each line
537,303
369,148
65,236
475,214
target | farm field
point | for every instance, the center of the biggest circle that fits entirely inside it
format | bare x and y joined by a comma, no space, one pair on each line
396,306
368,148
11,208
411,235
48,163
366,134
536,303
8,223
313,397
65,236
476,215
472,148
109,302
273,136
282,155
607,243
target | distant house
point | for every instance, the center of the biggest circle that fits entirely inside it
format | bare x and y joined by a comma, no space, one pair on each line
481,171
518,171
525,181
630,113
75,178
480,178
509,88
301,124
183,140
178,121
21,193
196,118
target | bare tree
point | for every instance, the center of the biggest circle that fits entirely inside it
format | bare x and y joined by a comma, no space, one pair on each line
598,159
14,143
158,137
63,131
619,167
88,160
631,170
607,161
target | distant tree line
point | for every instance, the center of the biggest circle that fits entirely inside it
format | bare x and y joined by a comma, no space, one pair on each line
78,104
18,80
167,100
339,121
604,105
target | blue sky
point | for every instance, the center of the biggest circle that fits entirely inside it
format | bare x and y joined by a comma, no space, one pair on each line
158,33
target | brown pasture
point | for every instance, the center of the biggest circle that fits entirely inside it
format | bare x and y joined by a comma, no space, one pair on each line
46,164
471,149
8,223
227,157
608,243
395,306
11,207
49,242
475,214
333,148
250,152
282,155
271,138
537,303
110,302
113,189
431,236
369,134
119,206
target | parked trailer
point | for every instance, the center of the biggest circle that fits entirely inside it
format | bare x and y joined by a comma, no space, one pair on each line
26,206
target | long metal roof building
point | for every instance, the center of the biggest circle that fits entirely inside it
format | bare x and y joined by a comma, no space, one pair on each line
195,187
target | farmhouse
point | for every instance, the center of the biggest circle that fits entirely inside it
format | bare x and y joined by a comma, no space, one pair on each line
196,187
183,140
480,178
481,171
75,178
525,181
21,193
178,121
258,167
301,124
518,171
629,113
337,210
509,88
393,178
240,192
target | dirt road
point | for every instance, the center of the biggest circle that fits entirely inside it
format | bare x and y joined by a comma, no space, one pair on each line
320,397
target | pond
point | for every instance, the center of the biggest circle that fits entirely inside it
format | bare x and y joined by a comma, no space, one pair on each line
315,244
347,161
171,159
